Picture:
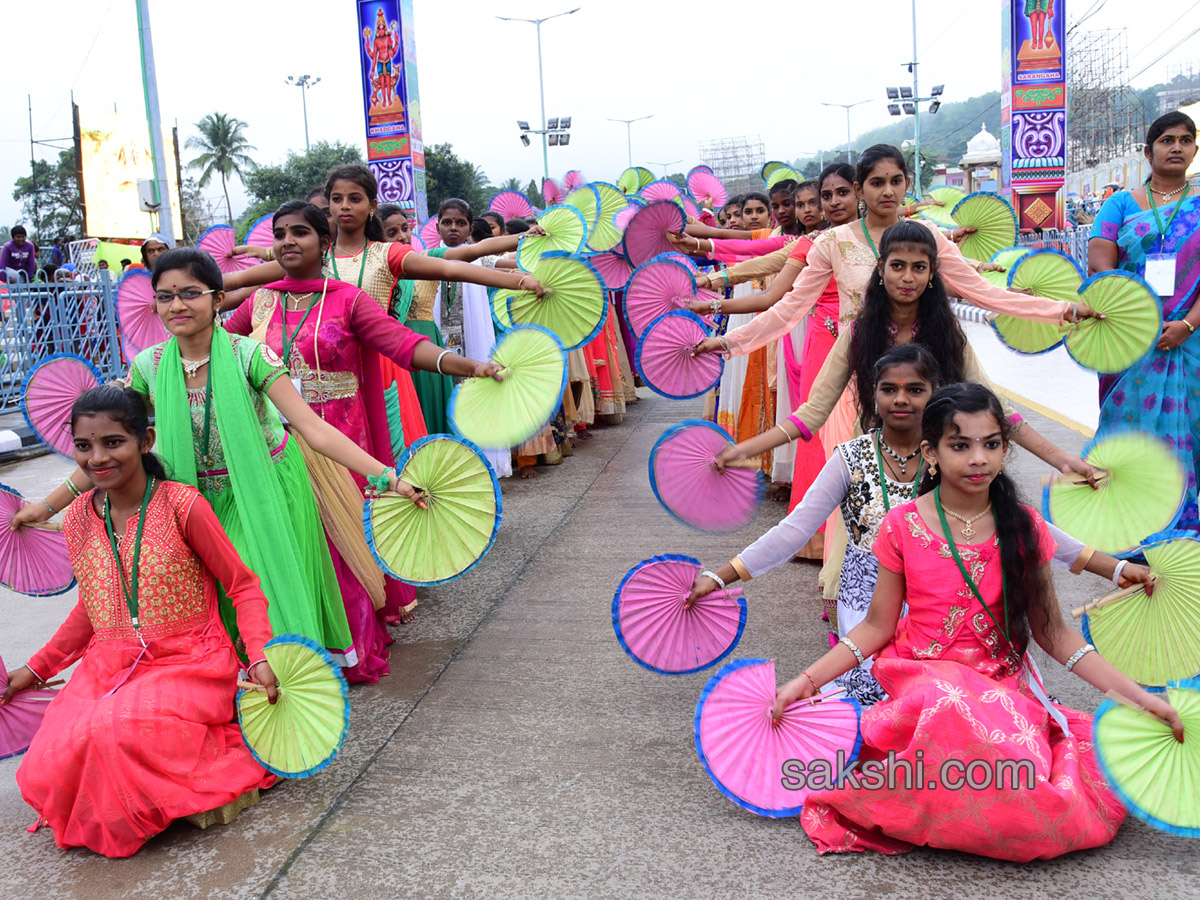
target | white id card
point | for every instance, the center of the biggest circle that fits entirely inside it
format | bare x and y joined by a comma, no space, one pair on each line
1160,273
299,390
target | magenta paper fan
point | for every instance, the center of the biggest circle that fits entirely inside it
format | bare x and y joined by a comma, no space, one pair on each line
658,286
700,168
262,232
752,759
660,190
572,180
684,478
659,632
666,361
429,234
511,205
614,269
552,192
50,391
218,242
622,217
21,717
137,315
646,233
708,189
33,561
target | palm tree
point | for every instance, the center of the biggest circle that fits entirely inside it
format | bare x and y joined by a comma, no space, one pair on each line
223,149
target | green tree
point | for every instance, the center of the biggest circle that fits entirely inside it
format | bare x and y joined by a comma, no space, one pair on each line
50,198
928,164
678,179
449,176
271,186
222,149
534,194
811,169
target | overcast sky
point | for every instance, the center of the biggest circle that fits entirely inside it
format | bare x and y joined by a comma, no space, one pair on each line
703,70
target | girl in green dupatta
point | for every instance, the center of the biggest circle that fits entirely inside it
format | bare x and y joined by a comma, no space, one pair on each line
217,401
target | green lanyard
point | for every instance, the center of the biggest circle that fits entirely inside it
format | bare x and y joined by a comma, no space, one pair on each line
883,480
870,240
1163,229
937,501
131,594
207,459
289,341
362,267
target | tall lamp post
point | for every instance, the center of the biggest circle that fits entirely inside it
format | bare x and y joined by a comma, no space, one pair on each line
847,107
306,83
911,103
664,165
629,132
537,23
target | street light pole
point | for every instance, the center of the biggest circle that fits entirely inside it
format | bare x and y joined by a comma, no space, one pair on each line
162,192
847,107
917,117
537,23
665,165
629,133
305,84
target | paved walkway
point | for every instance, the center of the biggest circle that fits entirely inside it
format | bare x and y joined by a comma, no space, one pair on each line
516,752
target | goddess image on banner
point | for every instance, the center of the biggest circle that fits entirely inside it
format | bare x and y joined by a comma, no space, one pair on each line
384,99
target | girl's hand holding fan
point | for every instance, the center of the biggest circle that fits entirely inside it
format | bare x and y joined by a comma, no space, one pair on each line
799,688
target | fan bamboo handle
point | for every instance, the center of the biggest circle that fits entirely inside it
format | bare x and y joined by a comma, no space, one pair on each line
1125,701
743,464
251,686
45,526
1115,596
50,684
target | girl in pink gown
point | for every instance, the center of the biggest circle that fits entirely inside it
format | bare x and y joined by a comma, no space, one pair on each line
332,336
955,666
144,732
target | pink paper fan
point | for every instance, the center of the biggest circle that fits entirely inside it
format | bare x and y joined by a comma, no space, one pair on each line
218,242
689,206
552,192
137,314
614,269
511,205
708,189
684,477
21,717
660,190
752,759
33,561
429,234
623,216
261,233
656,629
700,168
663,284
572,180
683,261
646,233
50,391
665,359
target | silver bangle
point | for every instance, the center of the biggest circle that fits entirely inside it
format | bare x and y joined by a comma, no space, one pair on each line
716,306
1078,655
1116,575
853,649
725,344
707,573
439,362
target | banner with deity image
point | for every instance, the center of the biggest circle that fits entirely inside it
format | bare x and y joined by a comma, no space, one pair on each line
1034,110
395,153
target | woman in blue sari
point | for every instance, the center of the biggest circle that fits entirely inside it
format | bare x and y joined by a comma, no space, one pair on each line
1154,232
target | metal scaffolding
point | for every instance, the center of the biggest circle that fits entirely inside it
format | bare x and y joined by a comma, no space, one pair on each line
1106,119
737,161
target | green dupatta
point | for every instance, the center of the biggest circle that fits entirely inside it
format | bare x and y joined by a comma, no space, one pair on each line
270,540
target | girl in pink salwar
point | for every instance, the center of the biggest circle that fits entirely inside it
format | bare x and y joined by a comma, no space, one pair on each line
970,562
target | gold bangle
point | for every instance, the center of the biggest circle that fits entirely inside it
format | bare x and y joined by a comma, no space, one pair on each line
1191,327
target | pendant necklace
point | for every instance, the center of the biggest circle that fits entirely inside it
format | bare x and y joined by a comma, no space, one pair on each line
192,366
967,531
901,461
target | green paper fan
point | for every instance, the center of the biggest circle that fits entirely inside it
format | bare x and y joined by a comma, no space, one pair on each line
994,222
941,215
606,234
1044,273
645,176
782,173
1139,491
771,166
1131,325
629,182
1154,639
458,525
301,733
507,413
1156,777
586,199
565,230
573,305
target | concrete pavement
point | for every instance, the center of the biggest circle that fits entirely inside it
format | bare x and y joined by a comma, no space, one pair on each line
517,752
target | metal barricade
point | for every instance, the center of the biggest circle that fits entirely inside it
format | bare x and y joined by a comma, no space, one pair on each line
40,319
1071,241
